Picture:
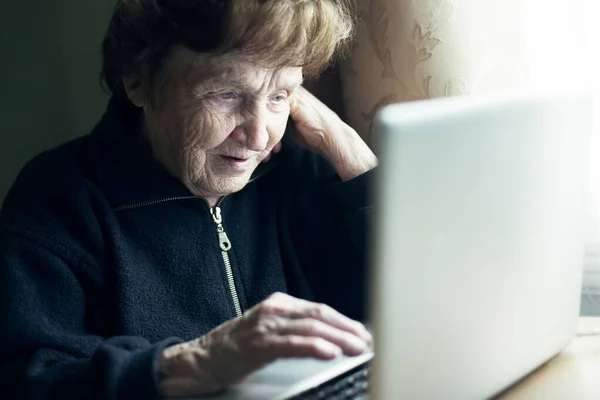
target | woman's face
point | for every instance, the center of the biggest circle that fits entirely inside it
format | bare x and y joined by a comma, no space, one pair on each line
215,118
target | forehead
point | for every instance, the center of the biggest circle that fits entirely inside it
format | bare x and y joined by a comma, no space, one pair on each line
235,69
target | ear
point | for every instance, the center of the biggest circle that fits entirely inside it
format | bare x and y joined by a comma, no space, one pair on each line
135,89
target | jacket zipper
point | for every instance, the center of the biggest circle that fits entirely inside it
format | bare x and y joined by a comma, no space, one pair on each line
152,202
225,245
224,242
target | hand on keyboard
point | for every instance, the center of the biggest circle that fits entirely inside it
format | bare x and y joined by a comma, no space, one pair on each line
280,327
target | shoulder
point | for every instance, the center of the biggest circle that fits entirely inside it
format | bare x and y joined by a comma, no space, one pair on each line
57,166
51,192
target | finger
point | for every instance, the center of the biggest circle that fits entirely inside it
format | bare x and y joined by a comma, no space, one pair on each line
294,346
277,148
293,308
305,96
326,314
297,102
267,158
349,343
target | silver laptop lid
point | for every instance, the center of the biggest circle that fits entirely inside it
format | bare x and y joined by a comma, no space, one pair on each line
478,241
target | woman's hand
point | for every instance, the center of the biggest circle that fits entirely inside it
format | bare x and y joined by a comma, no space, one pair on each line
322,131
280,327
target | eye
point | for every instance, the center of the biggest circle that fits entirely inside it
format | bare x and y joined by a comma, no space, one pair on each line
278,98
227,95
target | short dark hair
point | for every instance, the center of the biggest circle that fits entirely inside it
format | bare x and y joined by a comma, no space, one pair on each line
304,33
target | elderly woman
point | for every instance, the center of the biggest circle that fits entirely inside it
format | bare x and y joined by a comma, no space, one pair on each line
151,257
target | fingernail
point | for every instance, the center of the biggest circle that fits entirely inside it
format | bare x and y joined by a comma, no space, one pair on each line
334,352
358,346
366,335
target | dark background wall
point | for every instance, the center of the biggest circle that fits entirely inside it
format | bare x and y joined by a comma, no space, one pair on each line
49,73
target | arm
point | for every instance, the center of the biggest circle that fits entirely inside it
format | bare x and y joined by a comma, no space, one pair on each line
47,303
55,336
55,342
331,208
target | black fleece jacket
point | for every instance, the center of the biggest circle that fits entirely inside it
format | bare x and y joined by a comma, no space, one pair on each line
105,259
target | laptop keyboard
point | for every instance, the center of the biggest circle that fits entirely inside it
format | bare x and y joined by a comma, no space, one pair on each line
352,385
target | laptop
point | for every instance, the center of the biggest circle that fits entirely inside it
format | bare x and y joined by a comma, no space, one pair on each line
478,243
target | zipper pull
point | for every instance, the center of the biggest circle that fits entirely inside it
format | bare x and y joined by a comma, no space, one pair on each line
224,242
215,212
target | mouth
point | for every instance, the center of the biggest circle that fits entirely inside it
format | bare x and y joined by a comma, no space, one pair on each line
236,162
242,159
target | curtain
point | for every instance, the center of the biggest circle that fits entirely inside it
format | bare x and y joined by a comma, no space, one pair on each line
590,14
415,49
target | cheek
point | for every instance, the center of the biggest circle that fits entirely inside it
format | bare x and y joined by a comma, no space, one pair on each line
205,128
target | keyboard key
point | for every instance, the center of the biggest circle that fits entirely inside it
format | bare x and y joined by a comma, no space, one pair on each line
352,385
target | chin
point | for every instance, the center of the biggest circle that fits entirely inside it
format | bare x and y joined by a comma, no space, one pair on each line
233,185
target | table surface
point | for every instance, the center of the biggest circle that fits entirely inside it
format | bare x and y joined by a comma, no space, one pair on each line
574,374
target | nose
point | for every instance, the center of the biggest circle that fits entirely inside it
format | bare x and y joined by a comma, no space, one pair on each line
253,131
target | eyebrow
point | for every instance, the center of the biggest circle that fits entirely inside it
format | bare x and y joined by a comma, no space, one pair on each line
217,82
227,76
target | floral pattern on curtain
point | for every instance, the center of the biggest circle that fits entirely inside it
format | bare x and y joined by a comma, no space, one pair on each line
416,49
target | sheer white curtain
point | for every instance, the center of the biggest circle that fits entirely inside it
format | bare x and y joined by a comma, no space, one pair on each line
591,22
412,49
563,49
